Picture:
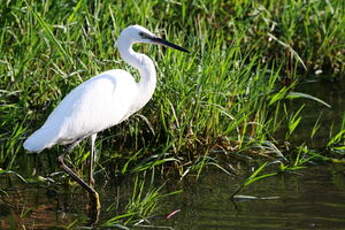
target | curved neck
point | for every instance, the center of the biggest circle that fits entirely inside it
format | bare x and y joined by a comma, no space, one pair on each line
144,65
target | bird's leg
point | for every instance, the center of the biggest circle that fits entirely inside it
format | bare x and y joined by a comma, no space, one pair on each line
94,197
92,159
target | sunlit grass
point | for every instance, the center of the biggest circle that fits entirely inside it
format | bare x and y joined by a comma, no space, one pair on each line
226,87
226,100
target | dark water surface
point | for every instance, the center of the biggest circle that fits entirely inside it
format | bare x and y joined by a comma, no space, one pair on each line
312,199
333,93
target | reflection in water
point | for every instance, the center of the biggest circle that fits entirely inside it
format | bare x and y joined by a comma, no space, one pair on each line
330,118
24,206
313,199
309,199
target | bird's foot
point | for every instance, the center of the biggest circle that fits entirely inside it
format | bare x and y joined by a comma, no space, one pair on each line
94,208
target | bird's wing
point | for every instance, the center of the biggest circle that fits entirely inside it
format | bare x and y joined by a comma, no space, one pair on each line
93,106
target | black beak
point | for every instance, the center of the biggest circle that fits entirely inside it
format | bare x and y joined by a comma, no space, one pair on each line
166,43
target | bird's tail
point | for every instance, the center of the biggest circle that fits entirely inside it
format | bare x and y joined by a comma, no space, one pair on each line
40,139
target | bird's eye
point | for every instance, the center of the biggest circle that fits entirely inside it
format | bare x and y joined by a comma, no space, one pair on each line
144,35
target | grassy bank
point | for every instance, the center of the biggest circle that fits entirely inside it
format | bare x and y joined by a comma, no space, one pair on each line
224,101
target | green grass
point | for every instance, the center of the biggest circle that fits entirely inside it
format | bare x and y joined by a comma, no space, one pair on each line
242,53
225,100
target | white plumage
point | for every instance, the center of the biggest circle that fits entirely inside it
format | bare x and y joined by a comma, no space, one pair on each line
96,104
104,100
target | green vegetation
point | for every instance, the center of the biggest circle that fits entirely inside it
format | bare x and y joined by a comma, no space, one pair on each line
229,99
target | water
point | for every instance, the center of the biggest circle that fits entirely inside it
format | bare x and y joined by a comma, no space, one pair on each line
312,199
39,207
330,92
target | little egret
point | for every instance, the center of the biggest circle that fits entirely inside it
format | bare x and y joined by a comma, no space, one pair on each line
101,102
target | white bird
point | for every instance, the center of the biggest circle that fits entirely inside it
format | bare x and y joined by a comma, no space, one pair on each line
101,102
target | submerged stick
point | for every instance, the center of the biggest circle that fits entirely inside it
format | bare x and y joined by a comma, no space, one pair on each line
95,205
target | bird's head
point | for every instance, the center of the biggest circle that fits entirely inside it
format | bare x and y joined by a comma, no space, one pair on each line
139,34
